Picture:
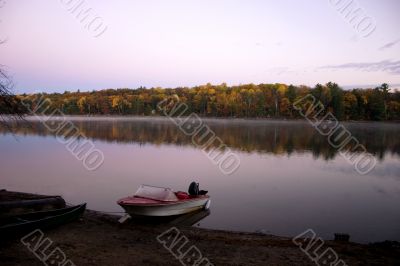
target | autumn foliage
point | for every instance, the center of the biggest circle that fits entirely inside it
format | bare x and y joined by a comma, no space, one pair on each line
249,100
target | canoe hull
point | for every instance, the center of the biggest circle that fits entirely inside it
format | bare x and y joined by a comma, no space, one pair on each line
33,221
15,207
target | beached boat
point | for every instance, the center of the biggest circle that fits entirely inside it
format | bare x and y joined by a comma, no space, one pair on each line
13,203
24,223
159,201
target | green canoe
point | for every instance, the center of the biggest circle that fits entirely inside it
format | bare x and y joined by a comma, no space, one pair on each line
25,223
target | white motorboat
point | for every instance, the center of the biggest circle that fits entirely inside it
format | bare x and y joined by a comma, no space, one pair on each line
160,201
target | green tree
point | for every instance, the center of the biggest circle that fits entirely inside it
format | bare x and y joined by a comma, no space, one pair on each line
336,94
376,104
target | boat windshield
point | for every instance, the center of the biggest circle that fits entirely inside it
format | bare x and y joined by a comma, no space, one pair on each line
156,193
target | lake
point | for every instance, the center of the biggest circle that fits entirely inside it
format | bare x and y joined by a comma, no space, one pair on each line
289,179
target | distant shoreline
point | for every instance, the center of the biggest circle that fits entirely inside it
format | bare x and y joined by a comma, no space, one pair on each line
206,118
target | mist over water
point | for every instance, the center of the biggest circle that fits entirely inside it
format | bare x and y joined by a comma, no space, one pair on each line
290,178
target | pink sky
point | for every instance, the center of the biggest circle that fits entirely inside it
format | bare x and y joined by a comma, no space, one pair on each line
186,43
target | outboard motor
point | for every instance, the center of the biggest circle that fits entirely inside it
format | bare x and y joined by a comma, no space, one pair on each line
194,190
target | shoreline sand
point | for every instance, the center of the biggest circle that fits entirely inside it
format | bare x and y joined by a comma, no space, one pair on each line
98,239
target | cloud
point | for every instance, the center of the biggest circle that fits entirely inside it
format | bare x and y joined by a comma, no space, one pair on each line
391,67
389,45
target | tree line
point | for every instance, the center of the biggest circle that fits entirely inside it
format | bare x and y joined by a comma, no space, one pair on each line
249,100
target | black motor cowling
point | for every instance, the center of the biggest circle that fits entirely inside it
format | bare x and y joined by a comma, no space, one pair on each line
194,189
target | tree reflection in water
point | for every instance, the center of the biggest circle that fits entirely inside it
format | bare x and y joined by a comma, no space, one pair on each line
251,136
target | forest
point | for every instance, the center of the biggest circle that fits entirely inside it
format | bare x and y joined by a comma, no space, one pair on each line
242,101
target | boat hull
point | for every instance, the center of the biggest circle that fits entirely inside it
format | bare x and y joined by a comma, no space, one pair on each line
14,203
25,223
170,209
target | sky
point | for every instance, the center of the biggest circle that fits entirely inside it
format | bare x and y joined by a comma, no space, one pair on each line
154,43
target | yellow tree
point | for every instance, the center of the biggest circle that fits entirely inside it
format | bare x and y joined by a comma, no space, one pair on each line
82,104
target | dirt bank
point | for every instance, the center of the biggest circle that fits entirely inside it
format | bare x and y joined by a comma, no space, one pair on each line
97,239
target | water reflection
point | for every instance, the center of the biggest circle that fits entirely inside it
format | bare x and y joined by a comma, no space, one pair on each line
283,195
274,137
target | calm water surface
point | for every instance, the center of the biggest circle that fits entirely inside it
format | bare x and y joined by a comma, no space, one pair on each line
289,180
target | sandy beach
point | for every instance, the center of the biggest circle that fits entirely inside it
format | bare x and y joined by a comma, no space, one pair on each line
98,239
